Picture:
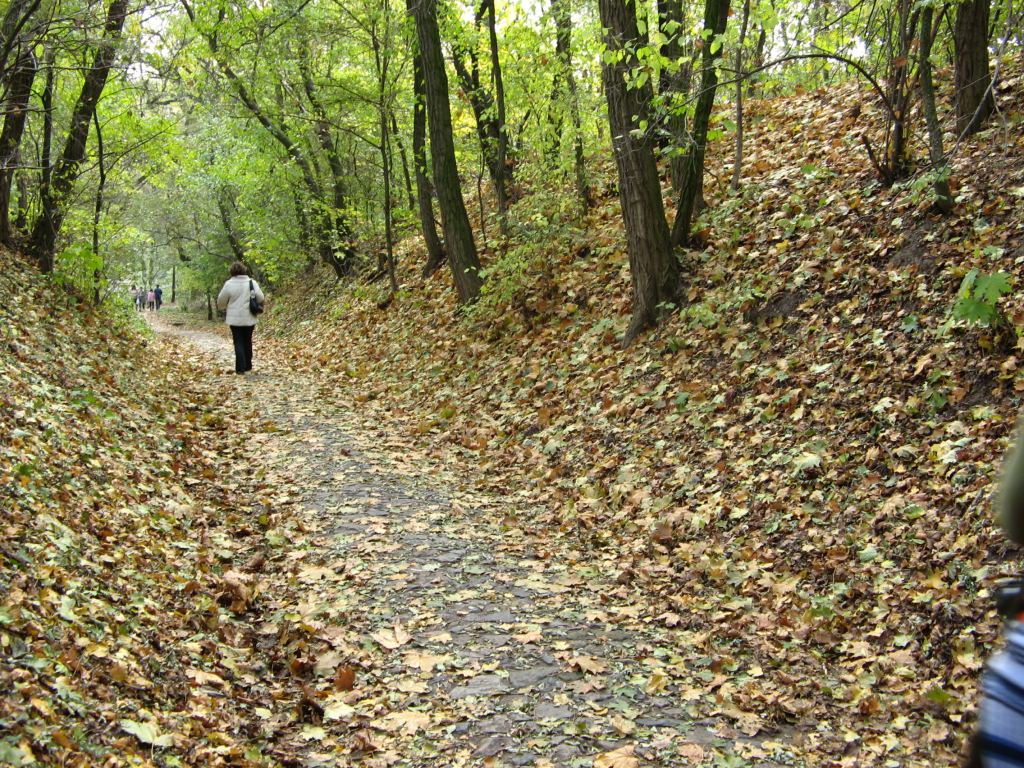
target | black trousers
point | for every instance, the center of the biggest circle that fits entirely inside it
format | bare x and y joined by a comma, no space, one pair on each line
241,335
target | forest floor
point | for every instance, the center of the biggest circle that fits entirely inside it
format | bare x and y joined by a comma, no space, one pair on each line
428,536
433,631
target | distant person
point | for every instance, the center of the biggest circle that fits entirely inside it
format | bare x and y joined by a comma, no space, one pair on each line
234,297
139,298
151,300
1000,738
158,295
134,293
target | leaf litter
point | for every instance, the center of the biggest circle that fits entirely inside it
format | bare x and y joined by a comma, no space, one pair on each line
737,543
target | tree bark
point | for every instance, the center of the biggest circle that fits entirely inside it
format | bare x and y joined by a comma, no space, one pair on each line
974,100
18,14
97,212
674,86
737,163
15,115
424,190
485,112
381,56
237,249
563,50
339,224
325,224
501,150
54,195
458,236
716,14
654,271
943,197
406,177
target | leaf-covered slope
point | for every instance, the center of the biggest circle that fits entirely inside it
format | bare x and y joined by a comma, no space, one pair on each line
118,614
797,465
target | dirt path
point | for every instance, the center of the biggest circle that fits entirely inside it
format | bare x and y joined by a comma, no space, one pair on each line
470,645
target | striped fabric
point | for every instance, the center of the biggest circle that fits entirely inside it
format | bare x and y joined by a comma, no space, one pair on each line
1001,719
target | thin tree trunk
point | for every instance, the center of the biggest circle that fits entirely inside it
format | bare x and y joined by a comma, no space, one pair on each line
943,197
381,58
462,256
97,211
54,195
737,163
15,115
18,14
654,271
339,224
502,180
397,137
563,50
762,38
974,100
424,190
716,14
325,223
237,249
21,219
488,128
674,85
46,99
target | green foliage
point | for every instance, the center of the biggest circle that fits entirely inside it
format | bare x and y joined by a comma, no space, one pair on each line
978,297
79,267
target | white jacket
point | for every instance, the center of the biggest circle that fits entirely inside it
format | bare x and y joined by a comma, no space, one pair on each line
234,297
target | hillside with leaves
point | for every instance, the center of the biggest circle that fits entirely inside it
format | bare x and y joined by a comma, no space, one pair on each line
545,461
795,470
132,525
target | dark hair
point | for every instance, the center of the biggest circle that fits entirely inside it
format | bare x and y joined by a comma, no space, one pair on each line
238,268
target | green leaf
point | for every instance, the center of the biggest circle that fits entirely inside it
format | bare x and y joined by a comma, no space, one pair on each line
147,733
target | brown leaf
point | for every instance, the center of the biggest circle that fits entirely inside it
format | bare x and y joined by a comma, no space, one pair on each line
345,679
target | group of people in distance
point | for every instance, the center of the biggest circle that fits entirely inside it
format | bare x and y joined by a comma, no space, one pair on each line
151,299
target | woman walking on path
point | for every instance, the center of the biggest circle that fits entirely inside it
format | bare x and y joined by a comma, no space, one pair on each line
234,297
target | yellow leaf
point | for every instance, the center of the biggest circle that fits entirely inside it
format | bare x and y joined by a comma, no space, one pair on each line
620,758
392,638
424,661
408,722
588,664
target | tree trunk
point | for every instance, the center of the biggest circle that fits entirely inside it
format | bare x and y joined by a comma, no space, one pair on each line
237,249
943,197
501,151
406,177
737,163
54,195
381,55
674,85
563,50
716,14
485,112
325,223
654,271
97,211
339,224
753,82
15,115
974,101
458,236
17,15
424,190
